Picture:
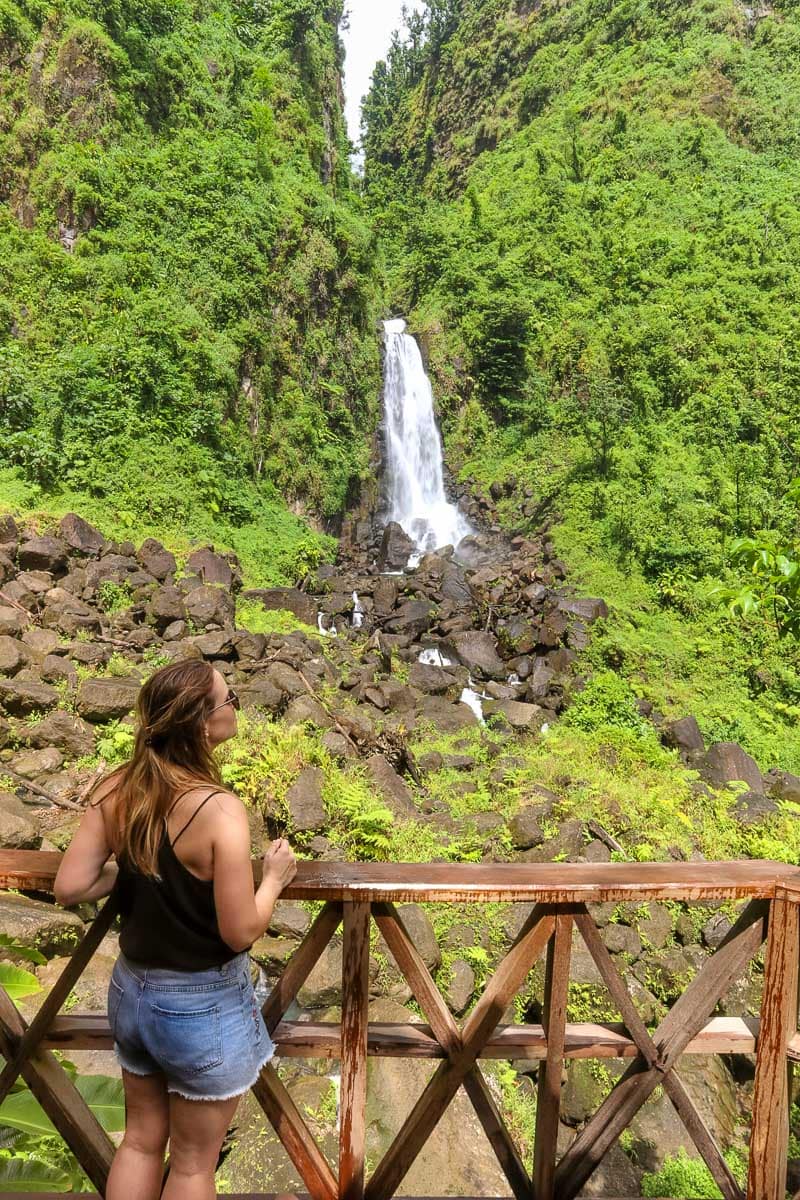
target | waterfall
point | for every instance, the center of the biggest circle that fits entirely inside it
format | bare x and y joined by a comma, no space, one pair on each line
417,499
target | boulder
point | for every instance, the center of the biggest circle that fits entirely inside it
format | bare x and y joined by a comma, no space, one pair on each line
165,607
30,764
207,605
285,679
261,693
525,718
307,710
43,926
435,681
69,614
19,698
751,808
727,762
715,930
413,618
289,920
101,700
392,787
323,988
338,745
211,567
588,609
656,929
286,600
384,595
447,717
396,548
17,831
79,535
525,828
683,735
304,802
41,642
156,560
478,652
13,655
460,988
12,621
56,669
566,845
43,554
783,785
64,731
621,939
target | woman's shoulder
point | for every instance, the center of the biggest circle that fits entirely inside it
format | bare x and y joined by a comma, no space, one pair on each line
106,787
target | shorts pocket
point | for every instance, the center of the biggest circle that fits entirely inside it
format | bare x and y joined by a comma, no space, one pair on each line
189,1042
115,994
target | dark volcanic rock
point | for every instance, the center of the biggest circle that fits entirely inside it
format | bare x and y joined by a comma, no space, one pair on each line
165,607
64,731
211,567
21,697
155,559
478,651
683,735
783,785
753,807
392,787
101,700
304,801
727,762
79,535
396,548
43,554
208,605
413,618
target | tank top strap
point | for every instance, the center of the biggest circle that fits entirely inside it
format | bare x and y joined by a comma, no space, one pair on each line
202,804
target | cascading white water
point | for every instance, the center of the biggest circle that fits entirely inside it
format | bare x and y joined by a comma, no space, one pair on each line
417,499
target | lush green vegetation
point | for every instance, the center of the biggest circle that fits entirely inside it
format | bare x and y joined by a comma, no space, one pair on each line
589,217
204,354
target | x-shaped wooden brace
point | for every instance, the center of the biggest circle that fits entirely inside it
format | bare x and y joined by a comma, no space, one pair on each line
269,1089
660,1053
41,1070
463,1050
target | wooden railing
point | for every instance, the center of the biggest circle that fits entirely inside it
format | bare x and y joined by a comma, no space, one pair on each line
355,895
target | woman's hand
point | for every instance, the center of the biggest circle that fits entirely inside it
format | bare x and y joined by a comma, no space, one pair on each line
280,864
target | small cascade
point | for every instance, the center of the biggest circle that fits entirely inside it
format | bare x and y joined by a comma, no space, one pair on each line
331,632
434,658
474,700
358,612
415,469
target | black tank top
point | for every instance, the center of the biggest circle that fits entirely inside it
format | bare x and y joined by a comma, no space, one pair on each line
170,920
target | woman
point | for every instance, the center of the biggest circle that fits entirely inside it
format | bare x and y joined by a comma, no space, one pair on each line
188,1032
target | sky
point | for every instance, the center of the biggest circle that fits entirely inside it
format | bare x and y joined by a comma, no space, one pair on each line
372,23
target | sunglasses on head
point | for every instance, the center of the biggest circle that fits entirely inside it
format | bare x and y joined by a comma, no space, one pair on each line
231,698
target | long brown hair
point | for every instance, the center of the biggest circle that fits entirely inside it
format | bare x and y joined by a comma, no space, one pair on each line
171,752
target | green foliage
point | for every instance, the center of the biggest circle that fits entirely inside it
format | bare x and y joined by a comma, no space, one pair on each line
39,1160
772,589
607,701
114,597
688,1178
252,615
18,982
115,743
21,950
205,353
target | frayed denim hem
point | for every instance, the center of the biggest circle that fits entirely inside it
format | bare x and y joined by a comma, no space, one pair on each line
241,1091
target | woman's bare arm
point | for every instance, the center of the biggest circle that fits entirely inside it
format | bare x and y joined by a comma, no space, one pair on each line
243,912
85,872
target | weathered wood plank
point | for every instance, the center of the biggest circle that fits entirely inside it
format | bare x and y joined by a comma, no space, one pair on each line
300,1145
548,1106
355,1000
447,1079
59,1098
316,1039
682,1023
546,883
448,1041
770,1132
58,993
300,965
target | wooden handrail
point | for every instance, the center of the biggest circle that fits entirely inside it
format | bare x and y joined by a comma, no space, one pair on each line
459,883
560,896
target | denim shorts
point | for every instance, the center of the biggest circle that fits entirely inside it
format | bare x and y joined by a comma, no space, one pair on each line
203,1030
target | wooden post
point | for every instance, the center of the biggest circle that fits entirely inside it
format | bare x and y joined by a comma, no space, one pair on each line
355,1002
770,1136
549,1095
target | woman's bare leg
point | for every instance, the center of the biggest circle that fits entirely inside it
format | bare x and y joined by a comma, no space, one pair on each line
196,1132
138,1168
